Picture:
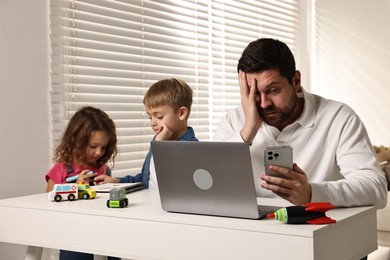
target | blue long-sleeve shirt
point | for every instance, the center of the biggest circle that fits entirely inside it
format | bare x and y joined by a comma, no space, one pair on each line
144,175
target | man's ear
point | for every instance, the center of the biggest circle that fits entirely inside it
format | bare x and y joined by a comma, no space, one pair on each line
297,81
183,113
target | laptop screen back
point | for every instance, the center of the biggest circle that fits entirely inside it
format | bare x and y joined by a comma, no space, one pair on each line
211,178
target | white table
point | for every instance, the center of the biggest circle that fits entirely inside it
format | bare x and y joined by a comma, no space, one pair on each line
144,231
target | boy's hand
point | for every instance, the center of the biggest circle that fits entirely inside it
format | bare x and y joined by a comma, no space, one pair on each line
163,134
105,179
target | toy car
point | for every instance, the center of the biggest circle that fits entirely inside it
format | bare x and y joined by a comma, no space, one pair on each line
86,192
117,198
71,191
63,192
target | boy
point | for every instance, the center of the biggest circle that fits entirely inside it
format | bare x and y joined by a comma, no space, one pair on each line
168,104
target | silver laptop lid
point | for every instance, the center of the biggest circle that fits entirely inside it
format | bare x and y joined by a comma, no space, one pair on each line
211,178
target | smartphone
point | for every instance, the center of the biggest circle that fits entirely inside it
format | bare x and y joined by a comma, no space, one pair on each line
278,155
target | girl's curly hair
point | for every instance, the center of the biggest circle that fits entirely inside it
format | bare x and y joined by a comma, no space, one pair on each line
78,133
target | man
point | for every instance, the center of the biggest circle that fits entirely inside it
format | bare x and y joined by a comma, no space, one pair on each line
334,158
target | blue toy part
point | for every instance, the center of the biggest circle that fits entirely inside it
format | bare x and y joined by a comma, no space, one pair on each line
73,178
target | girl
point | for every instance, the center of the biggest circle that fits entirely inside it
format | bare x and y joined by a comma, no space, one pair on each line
88,143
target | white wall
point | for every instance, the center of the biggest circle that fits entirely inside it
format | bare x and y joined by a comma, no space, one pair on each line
24,99
24,102
353,58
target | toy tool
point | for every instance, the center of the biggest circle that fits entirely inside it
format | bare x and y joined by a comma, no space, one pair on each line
73,178
310,213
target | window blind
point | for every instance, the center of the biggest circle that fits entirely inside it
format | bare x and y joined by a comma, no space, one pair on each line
234,25
108,53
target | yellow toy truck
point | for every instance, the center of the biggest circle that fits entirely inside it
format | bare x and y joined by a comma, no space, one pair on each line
86,192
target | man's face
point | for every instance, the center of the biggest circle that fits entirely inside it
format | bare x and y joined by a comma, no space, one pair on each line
276,98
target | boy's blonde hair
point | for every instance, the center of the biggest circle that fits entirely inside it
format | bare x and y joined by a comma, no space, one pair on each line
173,92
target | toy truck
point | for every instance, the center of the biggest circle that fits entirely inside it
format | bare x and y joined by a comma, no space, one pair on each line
71,191
85,191
67,191
117,198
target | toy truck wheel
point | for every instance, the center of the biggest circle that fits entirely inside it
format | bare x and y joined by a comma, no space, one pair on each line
71,197
57,198
126,202
108,203
121,203
85,196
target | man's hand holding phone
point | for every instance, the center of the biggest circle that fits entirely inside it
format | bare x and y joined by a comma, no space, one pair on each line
286,180
280,156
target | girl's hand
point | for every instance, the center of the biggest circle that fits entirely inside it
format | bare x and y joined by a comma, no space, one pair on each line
86,178
50,185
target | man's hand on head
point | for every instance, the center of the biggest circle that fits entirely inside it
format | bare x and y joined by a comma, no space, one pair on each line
248,102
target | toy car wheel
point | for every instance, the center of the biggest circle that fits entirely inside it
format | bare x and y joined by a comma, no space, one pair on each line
85,196
71,197
108,203
126,202
57,198
121,203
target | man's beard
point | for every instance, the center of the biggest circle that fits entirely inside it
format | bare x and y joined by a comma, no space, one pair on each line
284,115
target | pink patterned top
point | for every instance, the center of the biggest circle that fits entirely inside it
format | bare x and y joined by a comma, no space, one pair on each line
59,172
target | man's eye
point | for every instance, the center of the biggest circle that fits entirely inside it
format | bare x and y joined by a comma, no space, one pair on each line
273,90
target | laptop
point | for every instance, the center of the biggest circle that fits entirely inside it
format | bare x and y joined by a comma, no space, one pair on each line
208,178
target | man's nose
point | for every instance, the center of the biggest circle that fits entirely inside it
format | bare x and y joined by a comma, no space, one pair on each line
265,101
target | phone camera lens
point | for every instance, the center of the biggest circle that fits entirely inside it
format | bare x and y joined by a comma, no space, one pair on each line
276,155
270,157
